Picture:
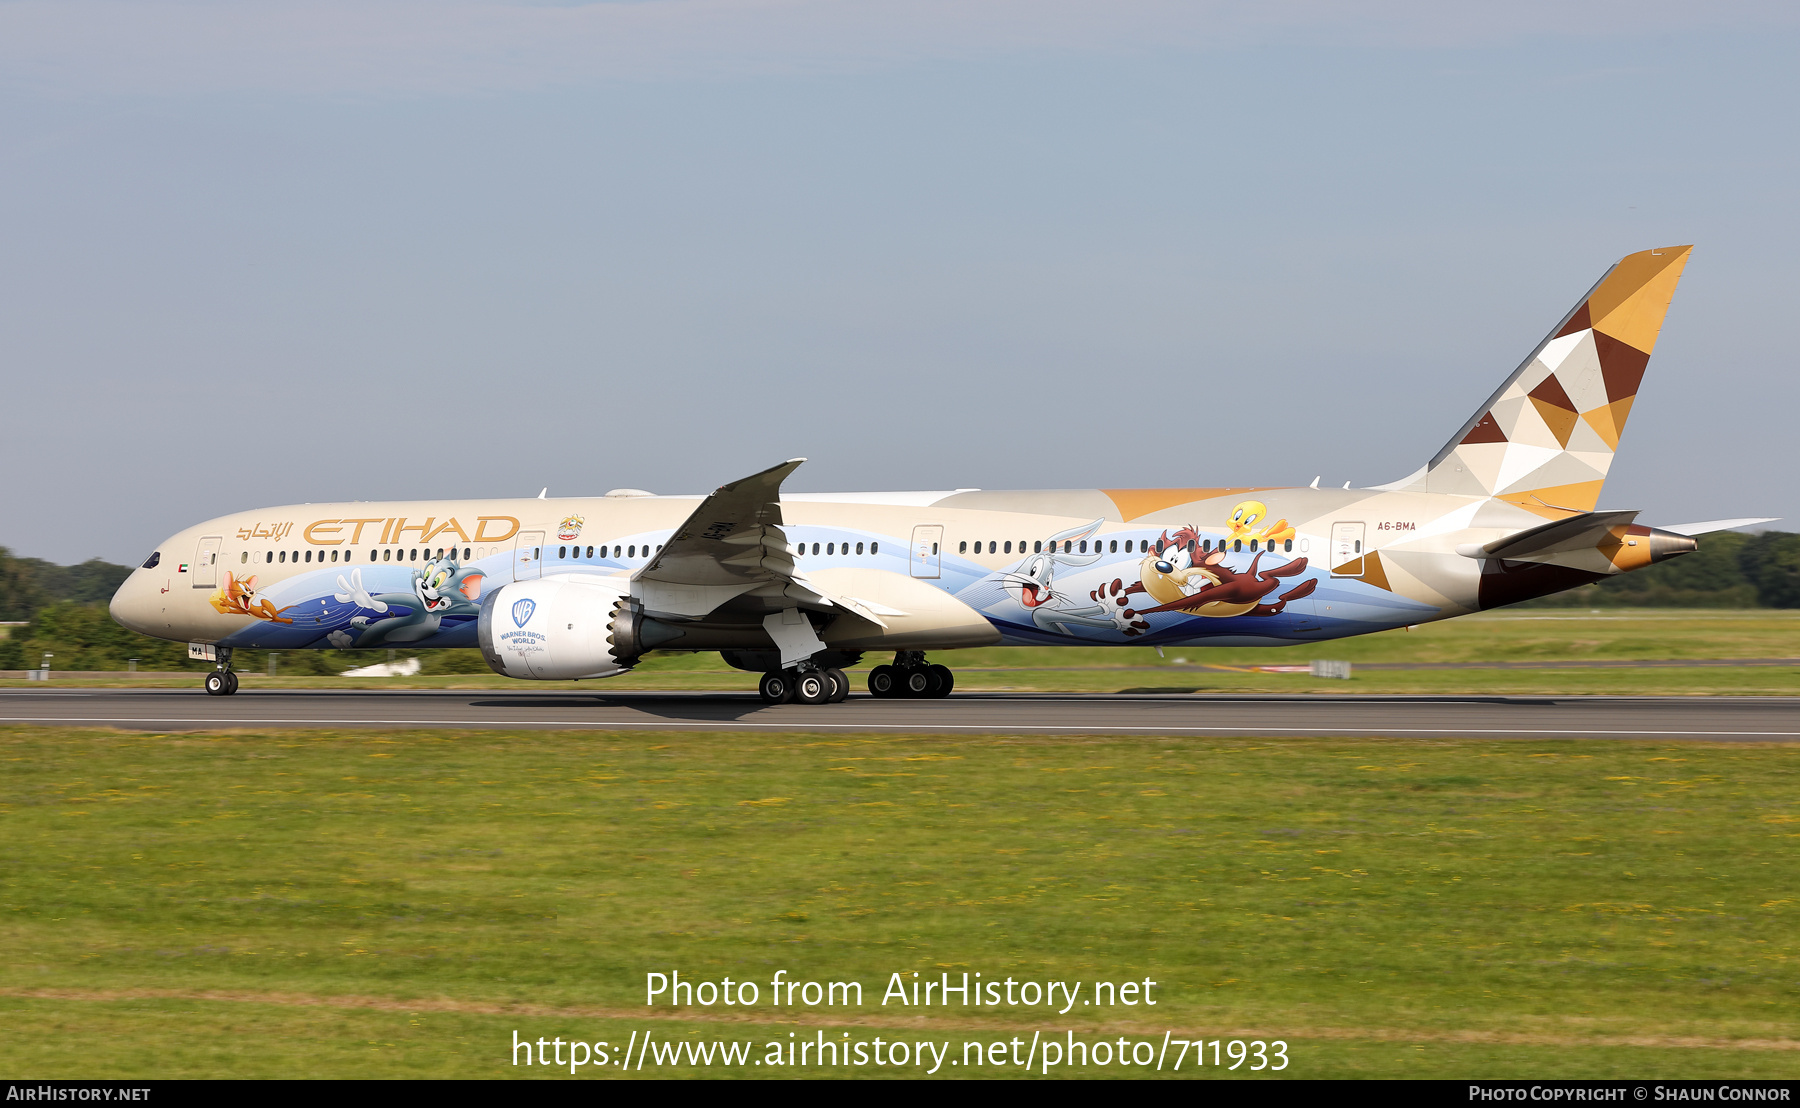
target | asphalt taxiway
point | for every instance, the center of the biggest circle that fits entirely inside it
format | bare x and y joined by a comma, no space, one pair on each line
1739,719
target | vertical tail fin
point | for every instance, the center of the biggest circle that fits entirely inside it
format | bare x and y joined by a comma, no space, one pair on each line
1545,440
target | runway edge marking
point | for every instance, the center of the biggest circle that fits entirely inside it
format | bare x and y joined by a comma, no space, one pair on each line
720,725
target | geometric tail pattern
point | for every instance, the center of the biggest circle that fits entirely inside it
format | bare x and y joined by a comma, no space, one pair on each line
1545,440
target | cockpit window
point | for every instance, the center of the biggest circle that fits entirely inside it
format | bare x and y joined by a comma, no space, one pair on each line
150,562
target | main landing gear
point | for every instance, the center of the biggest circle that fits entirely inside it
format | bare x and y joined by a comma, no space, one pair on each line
810,686
911,676
222,681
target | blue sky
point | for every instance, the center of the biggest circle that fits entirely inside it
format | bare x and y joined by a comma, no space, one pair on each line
255,254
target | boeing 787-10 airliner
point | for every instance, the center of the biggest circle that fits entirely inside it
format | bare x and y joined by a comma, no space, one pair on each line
796,587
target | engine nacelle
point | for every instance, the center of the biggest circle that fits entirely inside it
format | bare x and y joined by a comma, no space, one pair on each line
564,628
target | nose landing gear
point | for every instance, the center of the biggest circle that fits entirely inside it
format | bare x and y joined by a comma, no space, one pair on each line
222,681
912,677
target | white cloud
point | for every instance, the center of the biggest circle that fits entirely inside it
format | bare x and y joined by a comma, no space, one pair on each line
329,47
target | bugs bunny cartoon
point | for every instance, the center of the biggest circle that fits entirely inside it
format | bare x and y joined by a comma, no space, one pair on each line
1032,583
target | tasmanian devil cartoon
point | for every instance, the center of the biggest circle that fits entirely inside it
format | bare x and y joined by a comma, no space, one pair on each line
1167,576
1229,593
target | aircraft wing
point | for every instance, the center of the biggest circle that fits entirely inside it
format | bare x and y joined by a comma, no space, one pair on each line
733,546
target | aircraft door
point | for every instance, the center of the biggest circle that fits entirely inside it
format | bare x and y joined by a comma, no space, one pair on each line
1346,550
206,562
528,556
927,544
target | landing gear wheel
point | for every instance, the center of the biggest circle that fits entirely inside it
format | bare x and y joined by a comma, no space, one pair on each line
217,685
916,683
776,688
230,682
884,682
812,688
840,686
945,680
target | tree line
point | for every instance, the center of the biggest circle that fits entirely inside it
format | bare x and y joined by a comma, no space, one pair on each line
1729,570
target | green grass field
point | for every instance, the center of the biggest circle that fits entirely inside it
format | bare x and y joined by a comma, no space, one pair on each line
1532,636
398,904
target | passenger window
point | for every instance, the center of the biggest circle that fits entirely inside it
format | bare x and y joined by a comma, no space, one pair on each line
1068,546
1009,548
371,555
1288,546
151,564
334,554
284,555
631,551
562,552
962,547
874,548
590,552
859,548
934,548
1037,547
1237,544
1359,546
385,553
815,548
309,555
1113,547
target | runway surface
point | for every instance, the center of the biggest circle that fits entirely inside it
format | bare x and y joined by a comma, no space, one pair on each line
1740,719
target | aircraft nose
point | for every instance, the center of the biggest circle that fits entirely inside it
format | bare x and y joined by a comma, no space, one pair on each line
130,607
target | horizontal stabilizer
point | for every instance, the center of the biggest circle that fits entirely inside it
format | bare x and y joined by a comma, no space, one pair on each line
1574,533
1708,528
